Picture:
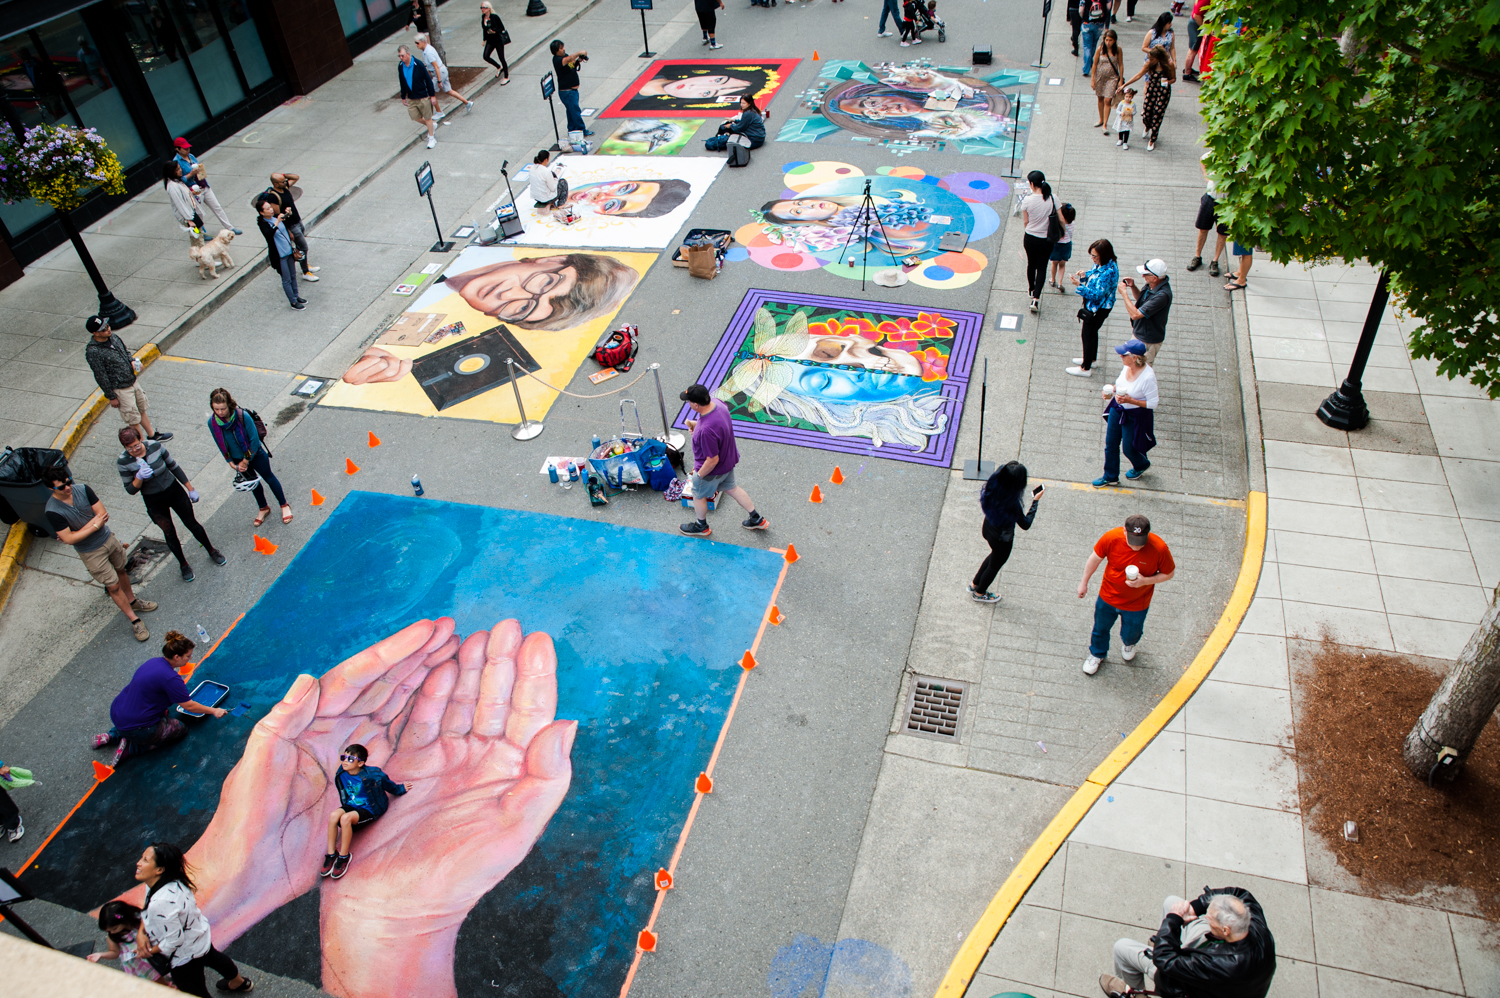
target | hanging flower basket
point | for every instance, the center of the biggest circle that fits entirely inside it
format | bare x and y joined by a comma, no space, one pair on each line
58,166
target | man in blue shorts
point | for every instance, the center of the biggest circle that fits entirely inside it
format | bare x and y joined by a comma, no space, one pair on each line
714,458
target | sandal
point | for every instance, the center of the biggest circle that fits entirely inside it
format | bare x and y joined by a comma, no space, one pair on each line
1234,286
286,514
248,985
261,516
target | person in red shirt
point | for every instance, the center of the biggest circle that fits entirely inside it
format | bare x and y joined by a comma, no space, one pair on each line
1135,562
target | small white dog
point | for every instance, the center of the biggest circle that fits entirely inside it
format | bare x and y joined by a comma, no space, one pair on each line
211,255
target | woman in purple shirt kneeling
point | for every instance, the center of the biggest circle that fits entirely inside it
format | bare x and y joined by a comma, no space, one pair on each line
139,713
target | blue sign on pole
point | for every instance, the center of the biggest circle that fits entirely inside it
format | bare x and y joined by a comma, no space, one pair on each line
549,86
424,179
640,5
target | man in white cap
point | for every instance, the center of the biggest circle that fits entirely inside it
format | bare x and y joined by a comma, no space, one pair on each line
439,70
1148,311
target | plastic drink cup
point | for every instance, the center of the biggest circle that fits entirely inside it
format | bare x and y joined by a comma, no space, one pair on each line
1132,573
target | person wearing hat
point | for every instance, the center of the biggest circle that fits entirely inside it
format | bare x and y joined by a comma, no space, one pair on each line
714,460
196,179
115,373
1129,415
1148,311
280,194
1135,562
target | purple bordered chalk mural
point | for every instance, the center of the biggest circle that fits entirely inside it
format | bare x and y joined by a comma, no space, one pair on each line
845,375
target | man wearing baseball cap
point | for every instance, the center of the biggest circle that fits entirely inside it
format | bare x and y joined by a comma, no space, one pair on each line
1148,311
196,179
1135,562
115,373
714,460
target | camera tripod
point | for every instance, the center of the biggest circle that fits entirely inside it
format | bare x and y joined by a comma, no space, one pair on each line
867,211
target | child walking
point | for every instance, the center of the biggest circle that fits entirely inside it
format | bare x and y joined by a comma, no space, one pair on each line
1124,115
121,921
362,799
1062,250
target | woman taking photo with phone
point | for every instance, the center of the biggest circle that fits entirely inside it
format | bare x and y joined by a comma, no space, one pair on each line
1097,288
1001,501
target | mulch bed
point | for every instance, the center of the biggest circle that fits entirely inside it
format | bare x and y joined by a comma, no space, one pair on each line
1356,709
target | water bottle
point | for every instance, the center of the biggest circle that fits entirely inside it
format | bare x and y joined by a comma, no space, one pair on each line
416,485
552,473
565,474
203,637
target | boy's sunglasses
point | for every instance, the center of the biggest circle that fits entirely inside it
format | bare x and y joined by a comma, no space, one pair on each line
350,758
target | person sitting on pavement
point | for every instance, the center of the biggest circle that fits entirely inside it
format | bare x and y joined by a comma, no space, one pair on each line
115,372
140,716
1215,947
146,469
78,518
548,188
750,122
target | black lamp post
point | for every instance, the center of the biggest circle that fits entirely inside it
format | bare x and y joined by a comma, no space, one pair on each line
119,314
1345,409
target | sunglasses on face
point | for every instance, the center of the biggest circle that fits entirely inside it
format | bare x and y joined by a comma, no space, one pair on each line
350,758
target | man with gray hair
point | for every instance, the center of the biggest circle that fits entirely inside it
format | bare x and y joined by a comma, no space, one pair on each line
1215,947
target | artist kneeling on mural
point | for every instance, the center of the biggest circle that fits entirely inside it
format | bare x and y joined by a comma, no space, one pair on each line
139,712
362,799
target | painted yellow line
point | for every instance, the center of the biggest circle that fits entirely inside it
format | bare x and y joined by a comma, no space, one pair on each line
979,940
18,540
236,367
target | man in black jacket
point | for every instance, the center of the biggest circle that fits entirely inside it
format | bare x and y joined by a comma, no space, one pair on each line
115,373
1215,947
418,91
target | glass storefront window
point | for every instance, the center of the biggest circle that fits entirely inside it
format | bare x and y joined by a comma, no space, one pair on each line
379,8
246,39
352,15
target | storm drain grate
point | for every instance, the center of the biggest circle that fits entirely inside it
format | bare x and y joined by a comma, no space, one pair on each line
935,708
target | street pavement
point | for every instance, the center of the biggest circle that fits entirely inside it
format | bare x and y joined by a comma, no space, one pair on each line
827,822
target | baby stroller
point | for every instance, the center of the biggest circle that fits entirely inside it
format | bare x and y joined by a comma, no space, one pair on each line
922,17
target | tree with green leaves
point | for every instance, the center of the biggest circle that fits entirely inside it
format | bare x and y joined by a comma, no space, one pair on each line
1367,129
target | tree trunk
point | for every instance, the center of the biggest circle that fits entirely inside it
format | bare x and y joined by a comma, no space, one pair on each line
434,30
1462,706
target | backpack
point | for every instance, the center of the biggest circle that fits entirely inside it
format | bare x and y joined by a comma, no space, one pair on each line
1096,11
739,150
260,428
619,350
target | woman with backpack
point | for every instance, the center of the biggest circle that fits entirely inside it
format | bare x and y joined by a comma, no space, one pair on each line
1043,229
238,434
1001,500
1095,15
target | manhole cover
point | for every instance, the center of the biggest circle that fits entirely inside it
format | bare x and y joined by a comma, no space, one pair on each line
934,709
146,554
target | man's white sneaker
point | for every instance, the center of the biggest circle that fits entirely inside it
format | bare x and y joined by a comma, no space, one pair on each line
1128,652
1079,372
431,141
1091,665
315,269
311,277
885,34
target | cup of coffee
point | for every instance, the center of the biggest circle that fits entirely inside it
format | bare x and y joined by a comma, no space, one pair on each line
1132,573
1109,390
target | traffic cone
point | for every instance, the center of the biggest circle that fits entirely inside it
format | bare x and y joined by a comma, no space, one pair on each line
838,476
646,941
374,440
663,880
791,554
704,784
815,55
186,671
102,772
775,616
317,499
350,467
748,662
263,546
817,495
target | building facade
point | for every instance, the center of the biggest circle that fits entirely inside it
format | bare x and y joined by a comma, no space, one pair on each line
142,72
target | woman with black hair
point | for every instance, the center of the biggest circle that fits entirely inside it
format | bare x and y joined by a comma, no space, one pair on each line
1161,34
1097,288
177,938
184,205
1001,501
1038,241
1160,73
750,122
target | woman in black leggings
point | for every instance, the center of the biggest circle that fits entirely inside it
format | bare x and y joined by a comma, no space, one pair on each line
147,470
495,37
1038,208
239,441
1001,499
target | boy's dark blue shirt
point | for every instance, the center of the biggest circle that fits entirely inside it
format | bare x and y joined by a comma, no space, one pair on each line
366,789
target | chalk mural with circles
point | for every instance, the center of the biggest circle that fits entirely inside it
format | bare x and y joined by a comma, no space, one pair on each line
922,225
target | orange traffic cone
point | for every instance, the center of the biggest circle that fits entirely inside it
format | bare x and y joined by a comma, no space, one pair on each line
817,495
791,554
102,772
748,662
317,499
838,476
815,55
263,546
646,941
187,670
663,880
775,616
374,440
704,784
350,467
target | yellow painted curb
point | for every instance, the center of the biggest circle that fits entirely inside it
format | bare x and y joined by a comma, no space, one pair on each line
18,540
979,940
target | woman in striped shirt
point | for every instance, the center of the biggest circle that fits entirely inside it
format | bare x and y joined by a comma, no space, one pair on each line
147,469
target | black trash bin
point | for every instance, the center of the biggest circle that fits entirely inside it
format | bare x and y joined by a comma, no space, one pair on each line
23,493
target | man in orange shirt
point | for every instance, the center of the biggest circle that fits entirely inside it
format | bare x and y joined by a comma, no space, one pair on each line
1135,562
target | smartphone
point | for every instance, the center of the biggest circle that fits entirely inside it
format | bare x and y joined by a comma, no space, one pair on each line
1036,493
207,692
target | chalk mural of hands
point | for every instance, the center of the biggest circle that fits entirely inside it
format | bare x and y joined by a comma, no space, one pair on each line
626,201
470,724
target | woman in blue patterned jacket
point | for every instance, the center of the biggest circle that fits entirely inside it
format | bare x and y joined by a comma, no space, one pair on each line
1097,288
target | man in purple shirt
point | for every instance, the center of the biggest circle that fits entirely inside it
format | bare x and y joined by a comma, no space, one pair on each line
139,714
714,458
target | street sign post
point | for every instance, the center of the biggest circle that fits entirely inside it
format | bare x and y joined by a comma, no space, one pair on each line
549,87
424,189
643,6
